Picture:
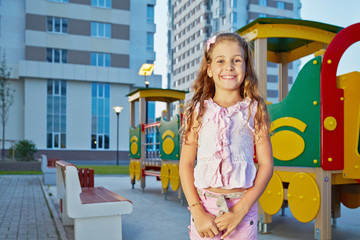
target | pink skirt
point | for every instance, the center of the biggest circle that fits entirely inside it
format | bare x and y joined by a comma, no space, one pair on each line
212,202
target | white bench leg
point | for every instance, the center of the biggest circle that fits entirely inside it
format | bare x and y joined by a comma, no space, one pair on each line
67,221
96,228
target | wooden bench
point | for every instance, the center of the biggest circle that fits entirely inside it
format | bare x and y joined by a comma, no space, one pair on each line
48,168
86,178
96,211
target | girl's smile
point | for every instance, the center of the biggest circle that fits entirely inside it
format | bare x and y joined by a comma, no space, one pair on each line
228,77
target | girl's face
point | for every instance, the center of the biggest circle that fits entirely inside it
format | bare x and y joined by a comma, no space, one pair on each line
228,66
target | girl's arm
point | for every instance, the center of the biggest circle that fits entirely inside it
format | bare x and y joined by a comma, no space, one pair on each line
204,222
229,221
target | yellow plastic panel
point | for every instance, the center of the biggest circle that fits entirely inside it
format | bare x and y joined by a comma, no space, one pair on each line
164,175
287,145
134,148
168,144
174,177
288,121
137,168
168,133
351,84
287,176
132,170
272,198
303,197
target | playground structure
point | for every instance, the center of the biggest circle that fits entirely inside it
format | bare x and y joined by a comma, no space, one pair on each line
155,147
315,128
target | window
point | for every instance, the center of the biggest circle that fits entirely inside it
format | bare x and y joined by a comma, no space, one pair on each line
272,78
262,15
101,3
57,25
216,25
263,3
100,59
56,114
272,93
233,17
100,29
150,13
63,1
56,55
233,3
150,41
280,5
222,8
100,115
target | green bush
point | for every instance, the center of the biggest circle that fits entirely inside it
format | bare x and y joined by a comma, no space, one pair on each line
24,150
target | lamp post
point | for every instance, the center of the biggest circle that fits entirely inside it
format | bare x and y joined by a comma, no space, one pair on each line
146,81
117,110
146,70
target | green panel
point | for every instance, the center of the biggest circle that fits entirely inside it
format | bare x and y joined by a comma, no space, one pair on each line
299,104
170,138
135,144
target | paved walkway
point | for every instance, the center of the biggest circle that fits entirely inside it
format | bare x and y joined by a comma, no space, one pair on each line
24,213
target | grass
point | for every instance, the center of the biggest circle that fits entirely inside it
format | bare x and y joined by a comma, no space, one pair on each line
108,170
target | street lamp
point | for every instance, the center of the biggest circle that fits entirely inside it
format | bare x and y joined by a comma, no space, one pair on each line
117,110
146,70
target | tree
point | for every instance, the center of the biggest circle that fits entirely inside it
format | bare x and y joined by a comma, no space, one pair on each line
6,99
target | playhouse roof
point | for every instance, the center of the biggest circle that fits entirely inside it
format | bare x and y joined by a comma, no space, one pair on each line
156,94
296,37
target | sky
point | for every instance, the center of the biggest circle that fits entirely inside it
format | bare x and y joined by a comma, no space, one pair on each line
336,12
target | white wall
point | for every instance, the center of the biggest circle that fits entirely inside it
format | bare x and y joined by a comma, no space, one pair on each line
35,111
78,134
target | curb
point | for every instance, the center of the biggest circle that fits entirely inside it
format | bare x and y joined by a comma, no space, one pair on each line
58,224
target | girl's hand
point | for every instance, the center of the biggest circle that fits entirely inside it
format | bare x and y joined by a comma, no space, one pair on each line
229,221
205,224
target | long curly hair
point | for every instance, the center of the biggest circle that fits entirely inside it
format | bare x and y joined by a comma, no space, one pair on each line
204,87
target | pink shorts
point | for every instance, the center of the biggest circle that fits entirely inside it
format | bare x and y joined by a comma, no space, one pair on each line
247,229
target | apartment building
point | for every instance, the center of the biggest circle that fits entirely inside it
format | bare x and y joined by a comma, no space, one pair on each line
192,22
71,62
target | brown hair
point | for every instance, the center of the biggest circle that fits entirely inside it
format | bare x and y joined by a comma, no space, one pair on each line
204,87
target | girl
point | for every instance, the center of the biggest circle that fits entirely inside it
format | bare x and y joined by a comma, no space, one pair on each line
224,119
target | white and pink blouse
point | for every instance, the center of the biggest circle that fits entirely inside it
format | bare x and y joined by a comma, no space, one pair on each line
226,146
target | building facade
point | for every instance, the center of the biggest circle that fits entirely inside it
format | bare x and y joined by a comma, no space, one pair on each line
71,62
192,22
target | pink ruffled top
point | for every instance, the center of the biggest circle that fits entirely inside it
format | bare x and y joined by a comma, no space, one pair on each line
226,146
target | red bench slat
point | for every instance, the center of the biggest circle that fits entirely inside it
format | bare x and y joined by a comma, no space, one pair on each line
99,195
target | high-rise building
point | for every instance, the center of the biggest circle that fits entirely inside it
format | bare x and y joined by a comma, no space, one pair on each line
72,61
192,22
